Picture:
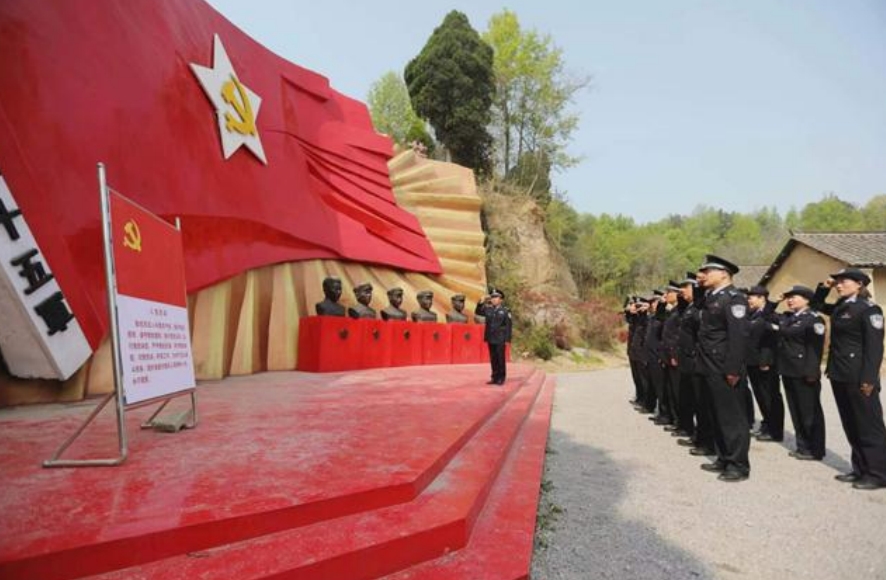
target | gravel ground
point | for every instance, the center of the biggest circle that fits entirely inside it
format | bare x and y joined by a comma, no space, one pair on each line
636,505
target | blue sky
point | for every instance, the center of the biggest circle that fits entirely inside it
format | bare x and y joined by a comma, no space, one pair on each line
736,105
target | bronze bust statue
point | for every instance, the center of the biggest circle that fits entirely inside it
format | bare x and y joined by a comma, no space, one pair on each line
393,310
330,305
425,301
363,294
458,304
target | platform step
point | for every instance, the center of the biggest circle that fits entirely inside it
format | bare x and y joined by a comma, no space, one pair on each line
501,545
393,475
371,544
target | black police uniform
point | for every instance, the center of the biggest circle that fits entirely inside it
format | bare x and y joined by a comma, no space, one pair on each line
636,375
638,357
762,345
686,398
689,362
855,356
497,333
670,339
800,346
722,339
655,371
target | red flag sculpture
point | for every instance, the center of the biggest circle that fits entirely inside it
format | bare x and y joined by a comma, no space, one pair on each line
260,158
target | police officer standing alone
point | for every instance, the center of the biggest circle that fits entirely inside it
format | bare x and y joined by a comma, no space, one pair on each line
854,360
722,338
496,334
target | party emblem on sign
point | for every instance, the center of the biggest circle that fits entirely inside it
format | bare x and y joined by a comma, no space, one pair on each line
236,106
132,237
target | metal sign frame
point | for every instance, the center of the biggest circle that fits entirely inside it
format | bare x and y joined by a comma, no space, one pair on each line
118,392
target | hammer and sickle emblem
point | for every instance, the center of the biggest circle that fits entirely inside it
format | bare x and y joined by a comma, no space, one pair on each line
133,236
245,124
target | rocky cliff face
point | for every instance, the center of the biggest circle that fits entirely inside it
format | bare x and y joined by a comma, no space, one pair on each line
523,260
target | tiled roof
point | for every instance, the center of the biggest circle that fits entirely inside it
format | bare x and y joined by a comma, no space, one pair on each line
749,276
856,249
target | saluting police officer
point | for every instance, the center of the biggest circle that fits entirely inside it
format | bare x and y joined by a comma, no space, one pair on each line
854,360
722,338
800,346
670,339
761,361
497,333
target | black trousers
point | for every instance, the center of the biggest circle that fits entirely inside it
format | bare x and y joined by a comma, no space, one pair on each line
704,418
655,389
672,392
731,428
686,404
862,419
804,403
638,374
748,399
767,391
497,360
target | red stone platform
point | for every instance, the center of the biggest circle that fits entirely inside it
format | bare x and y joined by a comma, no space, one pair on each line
415,472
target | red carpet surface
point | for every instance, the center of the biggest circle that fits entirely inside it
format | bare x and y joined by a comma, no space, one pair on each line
414,471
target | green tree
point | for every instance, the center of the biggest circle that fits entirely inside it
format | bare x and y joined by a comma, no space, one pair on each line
533,91
831,214
875,214
532,175
561,224
450,84
392,112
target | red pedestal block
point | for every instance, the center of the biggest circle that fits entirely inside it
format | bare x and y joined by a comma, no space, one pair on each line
467,343
328,344
376,341
436,343
406,343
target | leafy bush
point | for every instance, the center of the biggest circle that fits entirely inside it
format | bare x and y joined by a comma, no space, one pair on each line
537,341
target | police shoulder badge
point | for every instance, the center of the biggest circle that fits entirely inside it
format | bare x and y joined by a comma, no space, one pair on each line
818,327
877,321
739,310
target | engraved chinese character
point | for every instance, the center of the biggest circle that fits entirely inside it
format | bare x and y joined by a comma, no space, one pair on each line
55,313
33,272
6,216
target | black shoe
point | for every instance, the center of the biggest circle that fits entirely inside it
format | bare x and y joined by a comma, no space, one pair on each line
490,382
868,484
680,433
500,383
701,451
686,442
732,476
766,437
850,477
716,467
671,428
662,421
804,456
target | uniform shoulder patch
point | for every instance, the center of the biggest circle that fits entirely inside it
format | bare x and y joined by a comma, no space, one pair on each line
819,328
877,321
739,310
